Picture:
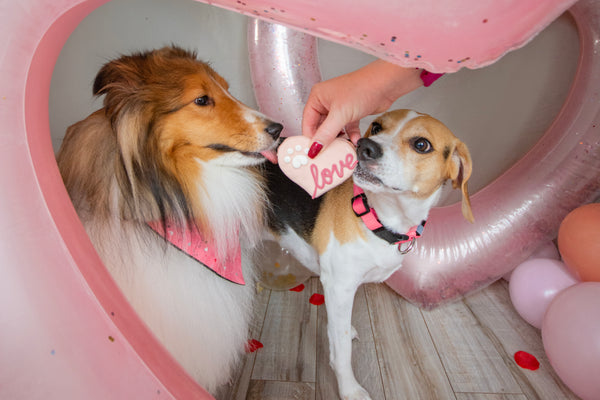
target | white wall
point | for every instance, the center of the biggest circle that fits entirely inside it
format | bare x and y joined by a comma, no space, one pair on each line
499,111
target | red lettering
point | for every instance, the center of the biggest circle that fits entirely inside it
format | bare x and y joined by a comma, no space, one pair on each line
326,175
350,161
314,170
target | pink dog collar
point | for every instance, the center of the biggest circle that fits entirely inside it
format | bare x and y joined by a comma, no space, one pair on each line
191,242
361,208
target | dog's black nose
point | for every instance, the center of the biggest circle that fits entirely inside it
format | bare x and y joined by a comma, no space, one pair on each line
274,130
368,150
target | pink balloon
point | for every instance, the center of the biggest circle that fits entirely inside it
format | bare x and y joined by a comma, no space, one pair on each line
571,337
534,284
546,250
514,215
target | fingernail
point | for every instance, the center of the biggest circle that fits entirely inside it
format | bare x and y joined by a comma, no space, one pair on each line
315,148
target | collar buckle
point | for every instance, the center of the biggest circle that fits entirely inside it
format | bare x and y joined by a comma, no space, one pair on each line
363,202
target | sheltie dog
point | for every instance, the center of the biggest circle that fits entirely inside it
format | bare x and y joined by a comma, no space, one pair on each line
173,149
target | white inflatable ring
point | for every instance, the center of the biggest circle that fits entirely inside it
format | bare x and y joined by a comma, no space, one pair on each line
67,332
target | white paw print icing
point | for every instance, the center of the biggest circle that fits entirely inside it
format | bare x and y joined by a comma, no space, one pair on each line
297,156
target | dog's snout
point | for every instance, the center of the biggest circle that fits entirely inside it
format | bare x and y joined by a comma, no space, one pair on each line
274,130
367,150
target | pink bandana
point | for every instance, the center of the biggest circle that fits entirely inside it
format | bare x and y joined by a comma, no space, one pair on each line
193,244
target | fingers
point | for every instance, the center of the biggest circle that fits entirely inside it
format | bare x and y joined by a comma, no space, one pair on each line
324,126
326,133
312,118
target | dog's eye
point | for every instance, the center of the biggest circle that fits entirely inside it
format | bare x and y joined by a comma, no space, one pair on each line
421,145
203,101
376,128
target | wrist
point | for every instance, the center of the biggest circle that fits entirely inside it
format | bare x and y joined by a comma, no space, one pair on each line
393,80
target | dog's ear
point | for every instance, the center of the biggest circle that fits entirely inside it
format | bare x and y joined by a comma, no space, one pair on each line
122,80
109,73
126,106
460,167
130,72
137,88
121,74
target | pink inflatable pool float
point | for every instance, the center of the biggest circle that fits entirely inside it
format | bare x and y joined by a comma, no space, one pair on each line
67,332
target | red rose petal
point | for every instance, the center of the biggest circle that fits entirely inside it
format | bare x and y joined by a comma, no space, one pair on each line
253,345
317,299
298,288
526,360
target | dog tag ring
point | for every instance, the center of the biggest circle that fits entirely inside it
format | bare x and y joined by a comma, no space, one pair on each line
410,246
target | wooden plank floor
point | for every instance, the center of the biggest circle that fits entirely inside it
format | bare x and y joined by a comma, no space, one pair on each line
459,351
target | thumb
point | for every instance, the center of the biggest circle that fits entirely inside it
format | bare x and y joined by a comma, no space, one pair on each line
353,131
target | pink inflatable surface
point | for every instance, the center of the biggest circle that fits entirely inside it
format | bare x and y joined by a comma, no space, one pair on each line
514,215
437,36
67,332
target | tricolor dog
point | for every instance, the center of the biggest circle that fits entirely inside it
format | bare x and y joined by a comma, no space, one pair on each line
172,154
359,231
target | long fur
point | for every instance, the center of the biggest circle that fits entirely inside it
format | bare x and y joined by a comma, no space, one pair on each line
172,145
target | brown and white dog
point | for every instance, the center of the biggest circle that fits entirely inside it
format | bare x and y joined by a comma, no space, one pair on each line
172,147
403,161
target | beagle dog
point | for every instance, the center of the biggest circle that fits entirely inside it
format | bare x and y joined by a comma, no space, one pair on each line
360,230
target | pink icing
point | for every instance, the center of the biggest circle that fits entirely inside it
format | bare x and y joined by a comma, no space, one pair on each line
326,174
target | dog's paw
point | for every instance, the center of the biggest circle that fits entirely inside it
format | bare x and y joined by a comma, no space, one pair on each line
356,393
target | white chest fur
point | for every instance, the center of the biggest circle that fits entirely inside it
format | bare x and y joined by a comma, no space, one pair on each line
369,261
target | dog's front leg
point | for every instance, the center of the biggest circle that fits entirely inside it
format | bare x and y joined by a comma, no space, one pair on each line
339,298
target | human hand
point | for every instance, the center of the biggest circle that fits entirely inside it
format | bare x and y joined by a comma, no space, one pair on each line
340,103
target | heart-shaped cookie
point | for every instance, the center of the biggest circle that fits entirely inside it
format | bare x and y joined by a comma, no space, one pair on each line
334,164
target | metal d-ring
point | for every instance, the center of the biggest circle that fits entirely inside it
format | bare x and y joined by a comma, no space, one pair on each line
410,246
